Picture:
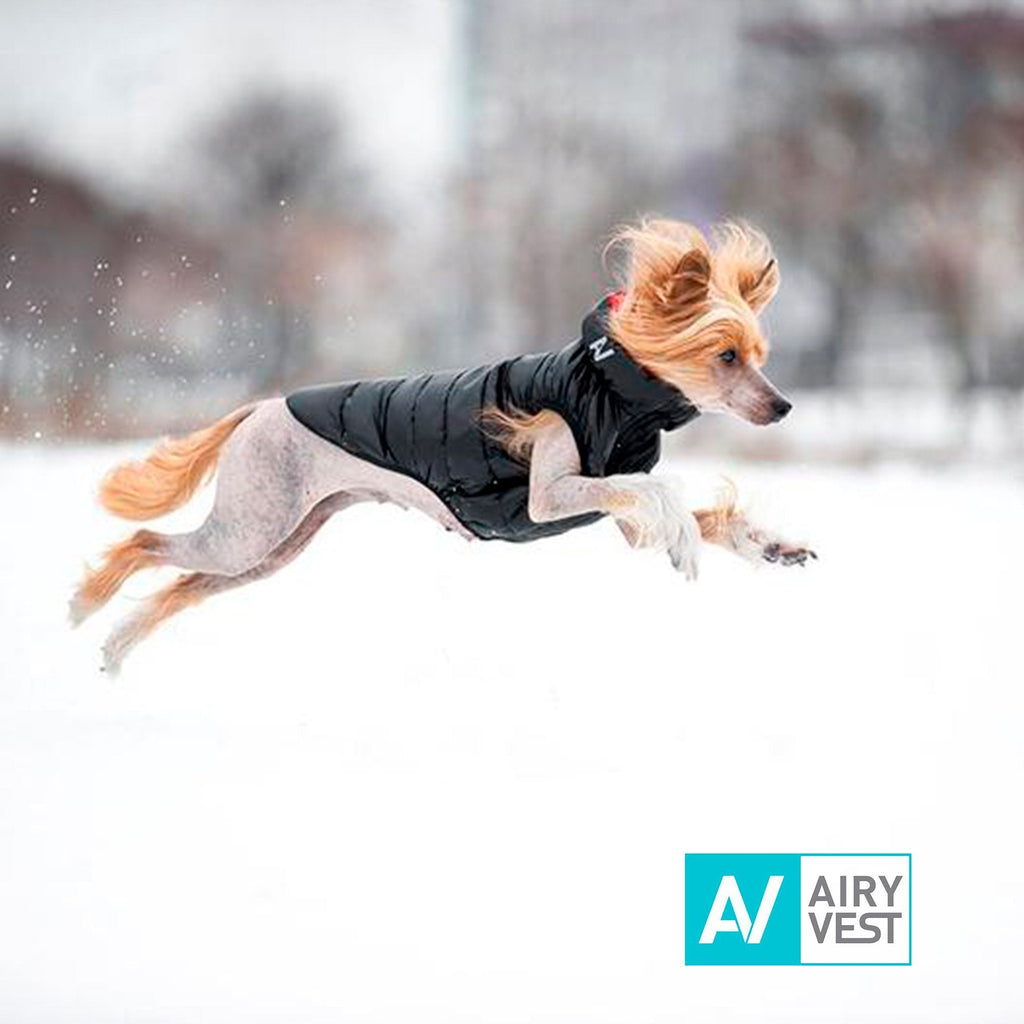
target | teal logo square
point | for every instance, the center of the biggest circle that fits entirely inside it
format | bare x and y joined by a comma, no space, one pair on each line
742,908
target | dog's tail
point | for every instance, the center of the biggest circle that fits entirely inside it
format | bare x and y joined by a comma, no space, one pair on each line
170,475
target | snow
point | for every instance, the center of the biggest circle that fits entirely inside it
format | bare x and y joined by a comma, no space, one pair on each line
415,779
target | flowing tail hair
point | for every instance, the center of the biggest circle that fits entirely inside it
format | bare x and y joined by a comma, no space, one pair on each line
170,474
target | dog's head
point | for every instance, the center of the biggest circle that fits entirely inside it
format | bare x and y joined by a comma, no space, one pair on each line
690,313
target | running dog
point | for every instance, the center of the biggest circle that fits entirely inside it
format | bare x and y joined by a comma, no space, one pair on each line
518,450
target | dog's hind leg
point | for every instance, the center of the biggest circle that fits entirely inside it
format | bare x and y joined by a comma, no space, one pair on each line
194,587
267,481
273,471
266,484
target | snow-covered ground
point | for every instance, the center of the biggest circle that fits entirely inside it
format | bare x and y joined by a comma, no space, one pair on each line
411,779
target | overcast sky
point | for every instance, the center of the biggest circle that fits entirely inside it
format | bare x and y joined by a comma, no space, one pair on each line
115,86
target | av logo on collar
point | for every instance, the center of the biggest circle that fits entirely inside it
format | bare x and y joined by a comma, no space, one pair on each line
791,908
601,349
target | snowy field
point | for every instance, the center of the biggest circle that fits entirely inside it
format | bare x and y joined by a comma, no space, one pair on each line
412,779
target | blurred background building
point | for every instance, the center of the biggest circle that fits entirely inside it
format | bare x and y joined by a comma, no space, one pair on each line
203,203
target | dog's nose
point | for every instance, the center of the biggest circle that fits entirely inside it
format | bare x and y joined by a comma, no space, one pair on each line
780,408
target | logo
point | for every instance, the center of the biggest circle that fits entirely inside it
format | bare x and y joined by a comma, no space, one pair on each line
792,908
600,349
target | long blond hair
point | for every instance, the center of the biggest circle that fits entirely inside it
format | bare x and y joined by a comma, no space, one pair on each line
684,294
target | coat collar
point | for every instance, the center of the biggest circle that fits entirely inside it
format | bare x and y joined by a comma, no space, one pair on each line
627,378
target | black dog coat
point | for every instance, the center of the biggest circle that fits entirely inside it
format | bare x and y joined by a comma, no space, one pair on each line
429,427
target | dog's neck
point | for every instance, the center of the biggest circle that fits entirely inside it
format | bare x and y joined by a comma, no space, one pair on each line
631,381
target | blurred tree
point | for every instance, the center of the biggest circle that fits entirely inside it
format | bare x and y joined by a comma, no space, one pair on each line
818,175
272,148
885,154
564,135
276,168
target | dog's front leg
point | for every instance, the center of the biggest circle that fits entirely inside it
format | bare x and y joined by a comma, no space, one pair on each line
649,510
729,527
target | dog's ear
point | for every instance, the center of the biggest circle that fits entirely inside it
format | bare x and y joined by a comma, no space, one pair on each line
758,285
689,281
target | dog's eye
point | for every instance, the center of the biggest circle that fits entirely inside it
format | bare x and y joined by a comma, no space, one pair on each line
728,356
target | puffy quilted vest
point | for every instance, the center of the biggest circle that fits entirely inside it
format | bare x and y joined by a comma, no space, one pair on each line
430,426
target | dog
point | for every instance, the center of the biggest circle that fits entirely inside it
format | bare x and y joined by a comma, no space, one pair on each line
522,449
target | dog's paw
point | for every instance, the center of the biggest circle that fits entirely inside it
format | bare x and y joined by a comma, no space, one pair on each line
640,520
78,610
113,653
121,640
759,545
680,531
684,543
657,518
780,553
